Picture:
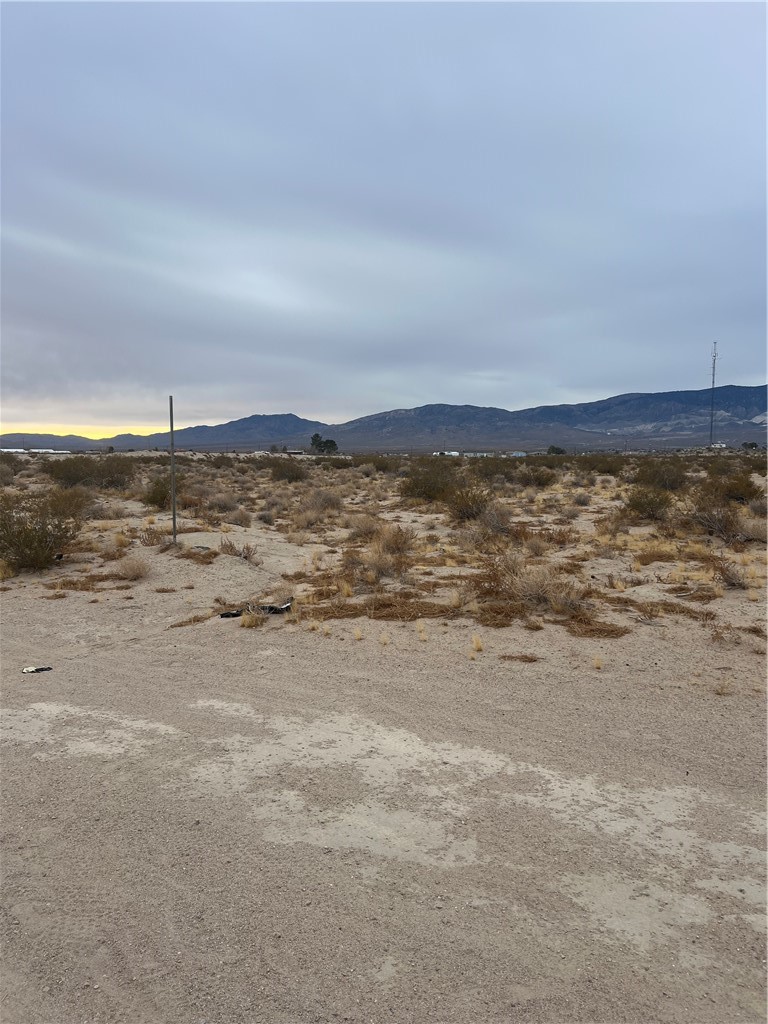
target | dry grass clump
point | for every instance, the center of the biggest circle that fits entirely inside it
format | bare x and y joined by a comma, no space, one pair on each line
253,619
132,567
247,552
507,579
200,556
526,659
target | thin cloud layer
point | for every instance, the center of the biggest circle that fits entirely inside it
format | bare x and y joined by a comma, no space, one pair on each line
338,209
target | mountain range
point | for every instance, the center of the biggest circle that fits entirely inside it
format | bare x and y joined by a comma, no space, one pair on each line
671,419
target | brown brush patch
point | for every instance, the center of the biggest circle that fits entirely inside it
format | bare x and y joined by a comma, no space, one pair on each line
656,607
192,620
755,630
55,596
595,628
165,590
71,583
199,557
527,659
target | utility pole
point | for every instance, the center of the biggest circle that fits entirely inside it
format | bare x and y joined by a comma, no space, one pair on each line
173,471
712,403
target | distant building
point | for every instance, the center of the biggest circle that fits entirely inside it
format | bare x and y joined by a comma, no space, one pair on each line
456,454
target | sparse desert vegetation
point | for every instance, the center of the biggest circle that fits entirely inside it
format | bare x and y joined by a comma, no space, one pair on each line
591,629
581,542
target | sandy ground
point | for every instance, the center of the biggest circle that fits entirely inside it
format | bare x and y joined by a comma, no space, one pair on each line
284,824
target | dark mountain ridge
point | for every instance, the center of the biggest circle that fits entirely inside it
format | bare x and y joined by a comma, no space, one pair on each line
666,419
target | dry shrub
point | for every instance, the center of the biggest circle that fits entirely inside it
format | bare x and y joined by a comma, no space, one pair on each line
132,567
240,517
510,589
34,528
395,540
719,519
757,506
581,498
729,574
223,502
526,659
363,527
247,552
499,575
537,545
494,519
754,529
152,536
322,501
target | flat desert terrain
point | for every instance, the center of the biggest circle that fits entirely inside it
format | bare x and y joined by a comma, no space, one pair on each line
503,760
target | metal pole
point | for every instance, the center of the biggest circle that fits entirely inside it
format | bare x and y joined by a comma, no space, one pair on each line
712,403
173,471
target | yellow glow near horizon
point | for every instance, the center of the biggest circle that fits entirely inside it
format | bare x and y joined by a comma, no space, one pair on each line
91,430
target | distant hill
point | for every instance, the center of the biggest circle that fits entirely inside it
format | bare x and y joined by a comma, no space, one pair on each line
669,419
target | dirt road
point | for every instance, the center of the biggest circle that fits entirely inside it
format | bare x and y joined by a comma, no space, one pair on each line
221,825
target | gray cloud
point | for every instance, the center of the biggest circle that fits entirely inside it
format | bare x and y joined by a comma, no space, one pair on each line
337,209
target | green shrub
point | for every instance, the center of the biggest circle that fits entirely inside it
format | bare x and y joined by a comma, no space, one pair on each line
740,488
494,466
648,503
285,469
430,479
468,502
381,463
535,476
71,502
609,465
34,529
664,474
158,493
11,461
103,471
6,475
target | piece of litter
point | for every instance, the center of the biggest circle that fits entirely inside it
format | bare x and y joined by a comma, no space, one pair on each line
42,668
265,609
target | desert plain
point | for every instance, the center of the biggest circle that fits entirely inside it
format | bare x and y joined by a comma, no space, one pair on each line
502,760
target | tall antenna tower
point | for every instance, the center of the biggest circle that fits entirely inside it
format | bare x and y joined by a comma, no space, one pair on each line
712,403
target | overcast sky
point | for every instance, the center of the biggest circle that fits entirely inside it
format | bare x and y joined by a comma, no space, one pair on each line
338,209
